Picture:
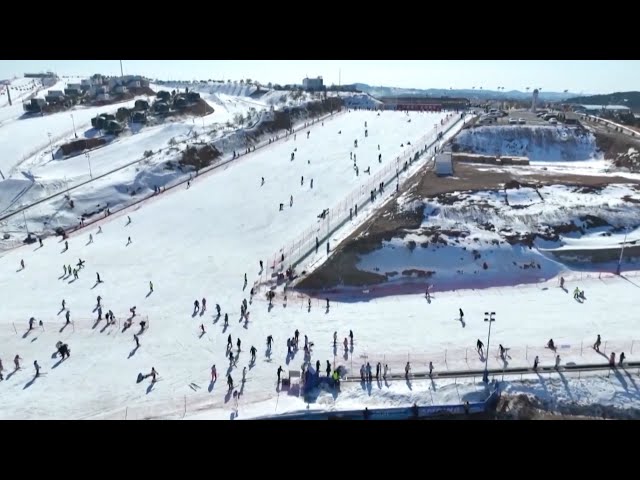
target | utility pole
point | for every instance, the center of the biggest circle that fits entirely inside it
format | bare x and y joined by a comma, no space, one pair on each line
488,317
51,146
121,71
74,126
624,242
25,223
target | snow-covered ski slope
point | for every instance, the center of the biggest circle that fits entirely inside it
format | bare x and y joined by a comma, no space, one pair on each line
192,243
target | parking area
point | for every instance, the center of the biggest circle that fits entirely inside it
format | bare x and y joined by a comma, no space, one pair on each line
528,117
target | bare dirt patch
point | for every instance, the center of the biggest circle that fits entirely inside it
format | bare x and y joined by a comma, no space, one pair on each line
392,222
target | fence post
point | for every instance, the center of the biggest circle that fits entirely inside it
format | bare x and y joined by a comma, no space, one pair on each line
185,407
126,411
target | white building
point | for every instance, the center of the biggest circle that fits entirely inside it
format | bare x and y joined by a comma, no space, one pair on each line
313,83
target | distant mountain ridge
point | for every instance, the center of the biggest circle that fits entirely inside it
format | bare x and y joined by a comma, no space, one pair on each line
474,93
628,99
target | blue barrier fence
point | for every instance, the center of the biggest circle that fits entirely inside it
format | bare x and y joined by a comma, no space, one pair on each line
398,413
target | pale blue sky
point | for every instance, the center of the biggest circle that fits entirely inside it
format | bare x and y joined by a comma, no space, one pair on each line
588,76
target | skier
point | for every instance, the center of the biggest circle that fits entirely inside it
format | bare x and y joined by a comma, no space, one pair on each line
550,344
1,369
196,306
622,357
306,341
328,369
479,346
40,241
202,330
327,303
335,338
244,374
128,240
68,317
245,278
22,263
502,350
16,361
238,344
100,229
37,367
302,180
66,245
318,367
226,319
430,368
596,346
346,344
230,358
269,341
351,336
98,278
151,286
135,337
311,185
291,201
229,342
90,238
230,382
378,367
461,314
562,282
296,335
75,273
612,359
262,181
407,370
280,370
535,363
65,270
557,361
128,220
204,304
218,309
214,374
98,299
386,370
253,351
31,321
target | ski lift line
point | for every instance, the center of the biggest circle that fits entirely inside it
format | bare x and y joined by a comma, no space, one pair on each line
389,172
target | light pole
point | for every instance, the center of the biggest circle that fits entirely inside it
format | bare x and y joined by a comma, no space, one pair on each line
51,146
624,242
488,317
74,126
89,162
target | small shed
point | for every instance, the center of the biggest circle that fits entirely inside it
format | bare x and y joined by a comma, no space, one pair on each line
443,164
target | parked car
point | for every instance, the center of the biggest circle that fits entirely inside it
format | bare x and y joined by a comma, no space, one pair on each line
513,121
522,121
